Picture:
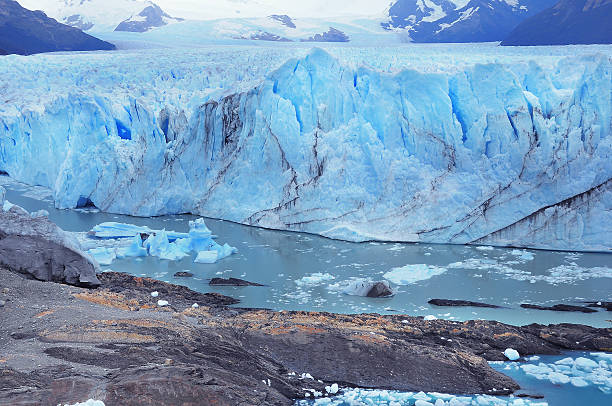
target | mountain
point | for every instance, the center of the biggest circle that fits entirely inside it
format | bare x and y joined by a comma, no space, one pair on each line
461,20
568,22
105,15
28,32
152,16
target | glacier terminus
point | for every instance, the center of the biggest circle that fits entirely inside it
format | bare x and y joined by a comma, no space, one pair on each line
423,144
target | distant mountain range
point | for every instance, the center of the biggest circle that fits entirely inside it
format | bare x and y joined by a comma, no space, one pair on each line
461,20
515,22
28,32
568,22
105,15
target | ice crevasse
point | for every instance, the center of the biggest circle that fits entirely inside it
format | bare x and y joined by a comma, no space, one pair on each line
483,155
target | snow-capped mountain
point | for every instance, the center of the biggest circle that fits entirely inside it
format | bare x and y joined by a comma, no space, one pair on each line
461,20
568,22
27,32
104,15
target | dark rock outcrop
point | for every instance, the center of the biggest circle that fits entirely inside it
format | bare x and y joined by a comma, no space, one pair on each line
231,282
458,303
28,32
560,308
568,22
603,305
333,35
267,36
122,349
41,250
183,274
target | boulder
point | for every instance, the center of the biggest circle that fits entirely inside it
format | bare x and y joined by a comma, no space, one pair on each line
183,274
380,289
39,249
460,303
231,282
560,308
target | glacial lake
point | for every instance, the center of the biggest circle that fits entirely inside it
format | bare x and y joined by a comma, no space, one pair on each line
280,260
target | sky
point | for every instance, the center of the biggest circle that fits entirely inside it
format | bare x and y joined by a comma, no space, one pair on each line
212,9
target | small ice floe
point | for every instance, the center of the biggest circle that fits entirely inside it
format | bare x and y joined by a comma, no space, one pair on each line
484,248
523,255
162,303
413,273
314,279
512,354
155,294
430,317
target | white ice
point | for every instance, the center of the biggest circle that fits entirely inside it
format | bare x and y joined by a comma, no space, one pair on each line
433,143
118,240
413,273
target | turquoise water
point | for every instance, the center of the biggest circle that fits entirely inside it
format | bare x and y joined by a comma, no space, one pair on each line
278,259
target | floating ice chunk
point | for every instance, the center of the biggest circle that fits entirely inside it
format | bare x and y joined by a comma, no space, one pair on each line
585,364
524,255
314,279
413,273
154,294
135,249
557,378
104,256
578,382
207,257
420,402
430,317
511,354
39,213
162,303
362,287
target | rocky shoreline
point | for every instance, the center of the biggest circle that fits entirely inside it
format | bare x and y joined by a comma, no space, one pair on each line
65,344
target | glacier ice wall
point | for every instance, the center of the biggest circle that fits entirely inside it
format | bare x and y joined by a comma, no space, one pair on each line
484,154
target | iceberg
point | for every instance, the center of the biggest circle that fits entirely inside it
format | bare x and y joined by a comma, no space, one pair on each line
490,150
109,241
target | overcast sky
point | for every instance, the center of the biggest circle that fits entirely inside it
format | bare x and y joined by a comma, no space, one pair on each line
210,9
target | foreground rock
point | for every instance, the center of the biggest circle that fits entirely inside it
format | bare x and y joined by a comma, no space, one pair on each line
560,308
115,344
39,249
231,282
460,303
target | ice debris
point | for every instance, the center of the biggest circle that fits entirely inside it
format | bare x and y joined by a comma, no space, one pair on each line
413,273
579,372
119,240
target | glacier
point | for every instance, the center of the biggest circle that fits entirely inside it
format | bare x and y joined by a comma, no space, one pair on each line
493,147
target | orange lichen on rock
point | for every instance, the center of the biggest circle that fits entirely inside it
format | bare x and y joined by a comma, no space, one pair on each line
43,314
109,299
